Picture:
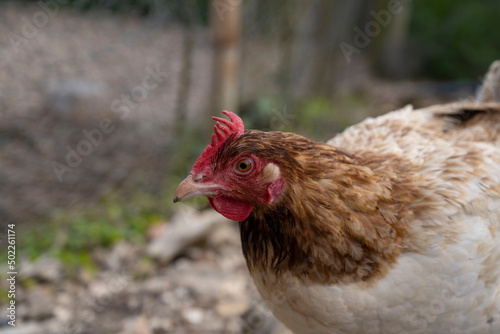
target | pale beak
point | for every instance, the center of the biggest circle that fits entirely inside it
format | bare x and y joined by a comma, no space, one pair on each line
191,188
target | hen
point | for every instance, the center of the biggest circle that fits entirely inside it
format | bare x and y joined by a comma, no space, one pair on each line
392,226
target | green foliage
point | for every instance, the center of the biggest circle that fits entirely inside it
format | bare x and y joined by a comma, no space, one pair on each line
73,261
317,118
460,36
34,242
320,118
4,299
71,236
268,113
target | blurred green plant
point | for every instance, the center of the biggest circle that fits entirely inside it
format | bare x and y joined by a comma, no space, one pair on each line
317,118
460,36
70,236
4,292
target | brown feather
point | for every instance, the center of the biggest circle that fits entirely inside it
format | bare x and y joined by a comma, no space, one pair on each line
340,218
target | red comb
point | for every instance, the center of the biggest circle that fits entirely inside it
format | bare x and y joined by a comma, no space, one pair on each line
232,129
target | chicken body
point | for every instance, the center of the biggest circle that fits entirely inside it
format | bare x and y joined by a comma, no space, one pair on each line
446,279
392,226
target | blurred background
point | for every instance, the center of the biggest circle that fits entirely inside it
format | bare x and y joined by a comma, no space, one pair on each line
106,104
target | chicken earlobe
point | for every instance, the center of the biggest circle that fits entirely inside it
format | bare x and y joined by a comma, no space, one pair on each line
271,174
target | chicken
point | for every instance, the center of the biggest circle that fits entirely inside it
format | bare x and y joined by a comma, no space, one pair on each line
392,226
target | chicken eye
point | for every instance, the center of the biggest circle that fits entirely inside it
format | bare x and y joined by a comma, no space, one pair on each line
244,166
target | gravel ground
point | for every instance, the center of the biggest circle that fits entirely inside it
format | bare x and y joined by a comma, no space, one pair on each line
204,287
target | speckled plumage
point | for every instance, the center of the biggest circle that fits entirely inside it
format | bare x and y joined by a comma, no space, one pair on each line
446,278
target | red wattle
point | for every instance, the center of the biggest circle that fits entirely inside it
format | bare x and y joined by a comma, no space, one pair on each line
231,208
